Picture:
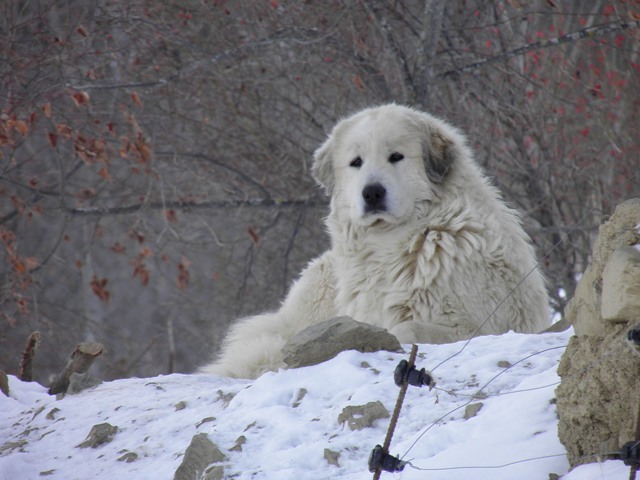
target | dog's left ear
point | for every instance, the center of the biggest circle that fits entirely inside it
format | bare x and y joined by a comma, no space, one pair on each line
439,153
322,169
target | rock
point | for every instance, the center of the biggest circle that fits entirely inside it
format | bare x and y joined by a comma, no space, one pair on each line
359,417
99,435
560,326
323,341
301,393
128,457
205,420
81,381
598,393
472,410
597,396
584,309
332,457
237,447
621,286
52,413
10,446
225,397
201,453
213,472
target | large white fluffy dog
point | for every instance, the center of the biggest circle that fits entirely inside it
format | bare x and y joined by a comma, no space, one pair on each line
422,245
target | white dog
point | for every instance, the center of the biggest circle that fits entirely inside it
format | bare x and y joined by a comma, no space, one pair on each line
422,245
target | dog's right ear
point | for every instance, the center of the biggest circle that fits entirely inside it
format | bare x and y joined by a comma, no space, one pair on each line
439,155
322,169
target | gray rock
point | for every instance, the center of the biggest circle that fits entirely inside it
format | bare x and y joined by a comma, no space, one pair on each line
201,453
99,435
240,441
560,326
332,457
10,446
359,417
52,413
81,381
214,472
472,410
299,397
323,341
128,457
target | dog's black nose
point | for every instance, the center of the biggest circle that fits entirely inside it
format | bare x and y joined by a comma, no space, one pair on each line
374,197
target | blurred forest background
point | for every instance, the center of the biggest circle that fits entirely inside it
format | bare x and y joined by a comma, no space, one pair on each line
155,155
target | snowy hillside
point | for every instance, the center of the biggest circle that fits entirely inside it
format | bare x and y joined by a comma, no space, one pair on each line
281,424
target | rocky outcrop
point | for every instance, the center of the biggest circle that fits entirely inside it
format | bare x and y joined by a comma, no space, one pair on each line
599,394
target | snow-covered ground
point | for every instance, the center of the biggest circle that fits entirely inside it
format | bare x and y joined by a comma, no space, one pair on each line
289,418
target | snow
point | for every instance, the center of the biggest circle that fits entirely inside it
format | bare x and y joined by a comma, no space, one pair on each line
290,417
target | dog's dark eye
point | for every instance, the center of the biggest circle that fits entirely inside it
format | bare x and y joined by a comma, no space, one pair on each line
356,162
395,157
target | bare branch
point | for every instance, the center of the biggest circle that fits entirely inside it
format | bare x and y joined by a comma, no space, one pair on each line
26,364
590,32
374,9
184,205
429,37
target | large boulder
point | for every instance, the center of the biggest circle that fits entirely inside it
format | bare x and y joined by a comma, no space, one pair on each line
598,396
323,341
620,287
621,230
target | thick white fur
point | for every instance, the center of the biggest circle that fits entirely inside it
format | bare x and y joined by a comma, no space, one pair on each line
445,261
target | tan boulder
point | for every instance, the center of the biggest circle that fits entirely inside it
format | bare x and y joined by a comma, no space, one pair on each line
599,393
621,286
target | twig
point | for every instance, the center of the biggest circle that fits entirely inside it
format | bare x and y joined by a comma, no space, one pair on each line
172,345
26,364
589,32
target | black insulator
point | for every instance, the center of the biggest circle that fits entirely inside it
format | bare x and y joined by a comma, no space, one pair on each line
413,376
379,459
630,454
634,335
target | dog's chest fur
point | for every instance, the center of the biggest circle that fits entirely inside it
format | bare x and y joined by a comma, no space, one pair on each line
385,281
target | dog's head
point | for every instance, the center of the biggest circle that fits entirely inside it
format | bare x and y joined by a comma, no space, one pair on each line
379,163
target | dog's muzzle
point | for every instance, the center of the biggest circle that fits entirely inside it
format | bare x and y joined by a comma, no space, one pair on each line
374,196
